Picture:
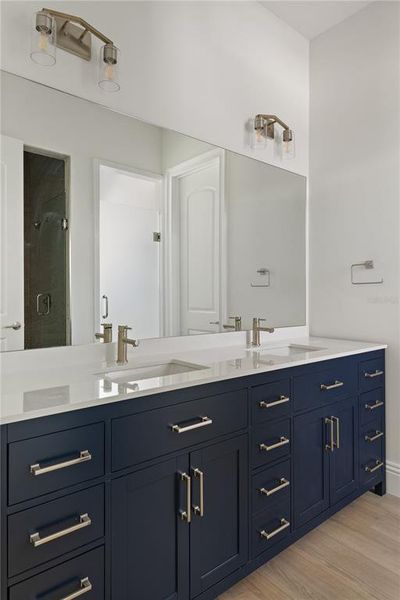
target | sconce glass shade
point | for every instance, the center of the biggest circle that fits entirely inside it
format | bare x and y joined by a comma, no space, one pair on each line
109,68
259,134
288,144
43,39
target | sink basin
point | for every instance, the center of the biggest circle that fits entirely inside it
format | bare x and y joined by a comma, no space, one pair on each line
289,350
173,367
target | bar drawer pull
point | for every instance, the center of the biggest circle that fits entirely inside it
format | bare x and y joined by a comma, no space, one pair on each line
36,540
84,456
376,436
186,515
377,404
283,483
282,442
199,510
376,373
86,587
268,535
333,386
282,399
378,465
203,423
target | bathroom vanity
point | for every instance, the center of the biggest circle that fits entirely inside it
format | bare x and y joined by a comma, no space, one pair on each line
179,485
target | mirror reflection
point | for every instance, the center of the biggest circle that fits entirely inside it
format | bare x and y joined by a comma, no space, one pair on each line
107,219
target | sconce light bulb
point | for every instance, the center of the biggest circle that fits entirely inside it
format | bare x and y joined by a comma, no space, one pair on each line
43,41
109,72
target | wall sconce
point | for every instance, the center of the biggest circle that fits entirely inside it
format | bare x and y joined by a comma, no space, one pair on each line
52,29
264,128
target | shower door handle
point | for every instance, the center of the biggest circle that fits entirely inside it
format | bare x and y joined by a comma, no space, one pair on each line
43,303
105,298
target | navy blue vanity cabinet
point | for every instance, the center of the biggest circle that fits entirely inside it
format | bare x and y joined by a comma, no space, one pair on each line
179,495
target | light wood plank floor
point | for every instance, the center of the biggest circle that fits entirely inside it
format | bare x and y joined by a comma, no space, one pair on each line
355,555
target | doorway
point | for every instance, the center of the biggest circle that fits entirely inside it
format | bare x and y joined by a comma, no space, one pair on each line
130,240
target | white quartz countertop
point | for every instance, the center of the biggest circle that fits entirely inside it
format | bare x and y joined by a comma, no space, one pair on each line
58,389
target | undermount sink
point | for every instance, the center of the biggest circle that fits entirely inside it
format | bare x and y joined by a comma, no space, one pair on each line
289,350
172,367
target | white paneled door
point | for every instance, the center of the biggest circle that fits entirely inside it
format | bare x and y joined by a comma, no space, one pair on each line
200,250
11,244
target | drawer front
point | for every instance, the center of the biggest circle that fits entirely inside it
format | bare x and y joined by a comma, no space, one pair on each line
144,436
270,486
317,389
371,374
270,527
83,574
372,406
372,444
44,464
271,401
271,441
44,532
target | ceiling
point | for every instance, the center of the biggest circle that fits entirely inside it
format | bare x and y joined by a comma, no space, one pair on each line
314,17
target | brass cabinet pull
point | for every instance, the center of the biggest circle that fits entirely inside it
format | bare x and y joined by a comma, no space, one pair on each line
268,535
186,515
282,400
283,440
199,510
377,404
86,587
283,483
372,438
203,423
378,465
330,446
337,422
333,386
376,373
84,456
36,540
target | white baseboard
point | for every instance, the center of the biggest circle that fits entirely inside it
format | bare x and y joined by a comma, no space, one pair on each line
393,478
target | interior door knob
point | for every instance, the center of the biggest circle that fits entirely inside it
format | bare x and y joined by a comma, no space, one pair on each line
17,325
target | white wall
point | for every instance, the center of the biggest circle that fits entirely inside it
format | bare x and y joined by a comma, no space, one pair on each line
354,189
202,68
46,119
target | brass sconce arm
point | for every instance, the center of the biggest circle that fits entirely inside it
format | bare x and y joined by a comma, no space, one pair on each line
273,119
79,21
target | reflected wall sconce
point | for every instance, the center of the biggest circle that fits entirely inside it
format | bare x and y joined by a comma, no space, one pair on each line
264,129
53,29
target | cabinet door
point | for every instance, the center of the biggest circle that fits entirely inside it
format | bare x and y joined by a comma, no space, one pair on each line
218,539
150,553
344,458
311,466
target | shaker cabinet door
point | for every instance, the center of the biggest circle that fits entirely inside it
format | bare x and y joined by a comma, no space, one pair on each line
218,536
344,458
150,553
311,466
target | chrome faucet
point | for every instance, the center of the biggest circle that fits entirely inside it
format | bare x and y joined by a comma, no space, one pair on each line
106,336
256,331
123,341
237,326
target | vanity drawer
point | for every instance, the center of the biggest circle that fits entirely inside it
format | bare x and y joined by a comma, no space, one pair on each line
371,374
144,436
372,406
44,532
322,387
372,444
270,486
271,401
270,442
44,464
86,572
270,527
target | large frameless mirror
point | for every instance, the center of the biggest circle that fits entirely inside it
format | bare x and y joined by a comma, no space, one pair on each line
106,218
